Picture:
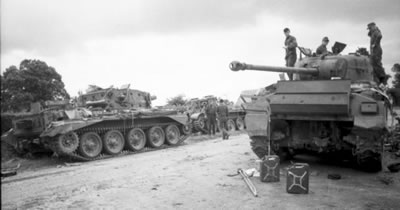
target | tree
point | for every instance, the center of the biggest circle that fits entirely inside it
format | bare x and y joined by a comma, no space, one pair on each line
33,81
178,100
396,78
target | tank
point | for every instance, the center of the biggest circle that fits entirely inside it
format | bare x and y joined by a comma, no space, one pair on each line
107,122
332,107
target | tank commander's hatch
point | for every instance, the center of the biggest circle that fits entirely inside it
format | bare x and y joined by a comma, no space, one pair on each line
338,47
306,51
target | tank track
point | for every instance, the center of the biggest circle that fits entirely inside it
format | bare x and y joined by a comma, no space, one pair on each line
78,158
75,156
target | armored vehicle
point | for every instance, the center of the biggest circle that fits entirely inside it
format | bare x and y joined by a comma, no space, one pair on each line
123,122
334,106
196,111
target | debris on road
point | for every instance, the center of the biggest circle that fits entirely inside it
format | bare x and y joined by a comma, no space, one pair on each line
248,182
385,179
252,172
395,167
12,171
334,176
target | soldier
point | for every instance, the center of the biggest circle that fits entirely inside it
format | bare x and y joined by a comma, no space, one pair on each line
211,112
291,54
376,53
222,113
395,93
321,50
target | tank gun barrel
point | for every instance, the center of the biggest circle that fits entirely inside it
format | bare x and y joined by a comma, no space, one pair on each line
237,66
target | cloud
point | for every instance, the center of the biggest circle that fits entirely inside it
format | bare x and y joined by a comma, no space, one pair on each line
52,27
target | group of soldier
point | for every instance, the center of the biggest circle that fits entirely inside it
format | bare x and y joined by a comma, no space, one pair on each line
214,111
375,51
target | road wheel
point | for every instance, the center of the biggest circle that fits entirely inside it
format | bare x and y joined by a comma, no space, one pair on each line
186,129
90,145
240,123
172,134
67,143
231,125
155,136
135,139
113,142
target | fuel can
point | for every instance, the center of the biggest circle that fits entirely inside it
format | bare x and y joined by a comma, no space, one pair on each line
297,178
269,169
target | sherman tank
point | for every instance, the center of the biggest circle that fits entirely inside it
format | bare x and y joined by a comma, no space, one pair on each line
333,106
107,122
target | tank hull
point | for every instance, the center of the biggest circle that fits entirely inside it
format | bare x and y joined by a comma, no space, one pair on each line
113,132
321,117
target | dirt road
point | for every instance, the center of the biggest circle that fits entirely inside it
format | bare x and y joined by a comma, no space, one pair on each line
192,176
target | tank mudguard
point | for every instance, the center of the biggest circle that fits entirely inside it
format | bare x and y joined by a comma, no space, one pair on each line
257,116
62,127
196,116
180,118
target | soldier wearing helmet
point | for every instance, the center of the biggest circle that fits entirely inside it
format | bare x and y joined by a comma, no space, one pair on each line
322,50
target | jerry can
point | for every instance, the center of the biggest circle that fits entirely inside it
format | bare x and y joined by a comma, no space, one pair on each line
269,169
297,178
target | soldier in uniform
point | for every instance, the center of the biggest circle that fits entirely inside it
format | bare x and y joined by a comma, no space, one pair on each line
321,50
395,93
290,47
376,53
211,112
222,113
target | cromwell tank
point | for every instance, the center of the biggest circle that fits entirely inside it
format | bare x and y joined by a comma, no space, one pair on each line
111,121
333,106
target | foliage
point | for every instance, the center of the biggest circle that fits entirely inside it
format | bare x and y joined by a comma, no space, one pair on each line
396,78
33,81
178,100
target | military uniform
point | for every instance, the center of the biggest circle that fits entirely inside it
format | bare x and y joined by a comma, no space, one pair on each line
376,53
321,50
291,54
211,112
222,112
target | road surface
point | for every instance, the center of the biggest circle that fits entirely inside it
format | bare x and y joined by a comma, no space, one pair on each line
192,176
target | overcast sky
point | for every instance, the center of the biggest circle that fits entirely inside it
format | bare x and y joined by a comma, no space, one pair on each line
182,46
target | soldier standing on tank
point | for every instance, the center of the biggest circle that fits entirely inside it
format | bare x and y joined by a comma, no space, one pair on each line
376,52
395,93
211,112
322,50
290,47
222,113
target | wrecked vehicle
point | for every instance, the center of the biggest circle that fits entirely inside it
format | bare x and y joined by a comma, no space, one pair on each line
195,108
107,122
333,106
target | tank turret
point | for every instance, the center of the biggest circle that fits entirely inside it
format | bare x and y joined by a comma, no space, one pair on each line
347,67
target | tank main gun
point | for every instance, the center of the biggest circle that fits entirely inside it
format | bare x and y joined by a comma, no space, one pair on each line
237,66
